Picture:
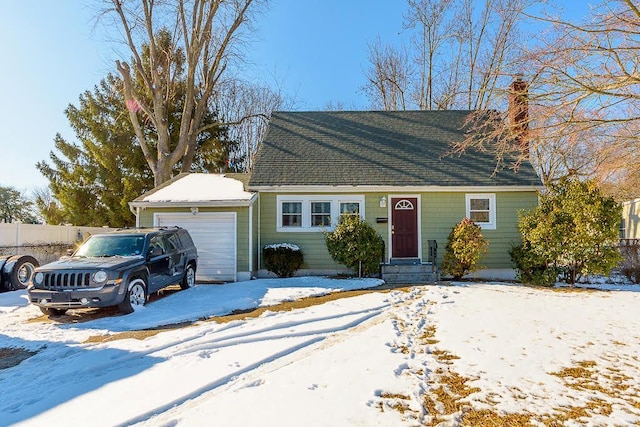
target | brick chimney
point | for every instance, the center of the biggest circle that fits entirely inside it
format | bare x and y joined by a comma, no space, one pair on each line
519,111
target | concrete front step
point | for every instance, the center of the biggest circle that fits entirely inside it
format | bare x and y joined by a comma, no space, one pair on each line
409,274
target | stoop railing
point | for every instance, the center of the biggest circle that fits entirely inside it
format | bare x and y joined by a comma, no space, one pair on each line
412,270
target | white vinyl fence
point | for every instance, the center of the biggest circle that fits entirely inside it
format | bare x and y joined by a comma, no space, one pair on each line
44,242
18,234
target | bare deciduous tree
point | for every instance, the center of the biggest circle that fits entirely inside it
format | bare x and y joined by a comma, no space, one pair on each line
586,76
206,32
585,105
429,18
246,109
388,77
464,53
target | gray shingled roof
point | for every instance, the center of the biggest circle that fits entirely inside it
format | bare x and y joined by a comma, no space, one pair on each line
385,148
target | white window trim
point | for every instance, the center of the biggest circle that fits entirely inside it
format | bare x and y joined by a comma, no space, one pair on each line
491,225
306,200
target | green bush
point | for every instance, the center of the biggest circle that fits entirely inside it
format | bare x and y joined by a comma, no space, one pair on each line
575,227
531,268
283,259
355,244
465,247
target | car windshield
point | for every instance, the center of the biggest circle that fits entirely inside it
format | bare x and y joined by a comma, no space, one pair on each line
112,245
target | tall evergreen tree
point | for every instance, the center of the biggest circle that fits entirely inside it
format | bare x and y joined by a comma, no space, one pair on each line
94,180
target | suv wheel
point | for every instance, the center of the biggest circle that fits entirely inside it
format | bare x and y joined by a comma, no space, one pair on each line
136,296
20,269
189,279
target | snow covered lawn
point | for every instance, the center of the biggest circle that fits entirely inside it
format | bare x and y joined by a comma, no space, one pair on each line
468,354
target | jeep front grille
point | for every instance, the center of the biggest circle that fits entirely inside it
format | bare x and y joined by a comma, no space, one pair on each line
67,280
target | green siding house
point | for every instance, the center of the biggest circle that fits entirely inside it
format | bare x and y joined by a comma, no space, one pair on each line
394,169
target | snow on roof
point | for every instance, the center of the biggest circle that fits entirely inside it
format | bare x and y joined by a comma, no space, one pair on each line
200,187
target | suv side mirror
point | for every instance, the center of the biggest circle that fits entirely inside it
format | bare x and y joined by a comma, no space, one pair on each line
69,252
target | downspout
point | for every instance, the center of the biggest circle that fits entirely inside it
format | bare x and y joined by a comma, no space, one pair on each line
259,231
250,240
135,213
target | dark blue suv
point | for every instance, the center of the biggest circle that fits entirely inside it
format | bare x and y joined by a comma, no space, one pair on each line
119,268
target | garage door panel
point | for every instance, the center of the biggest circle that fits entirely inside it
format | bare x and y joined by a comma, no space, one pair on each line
214,234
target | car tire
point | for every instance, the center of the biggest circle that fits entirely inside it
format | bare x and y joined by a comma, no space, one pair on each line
53,311
136,296
189,279
18,271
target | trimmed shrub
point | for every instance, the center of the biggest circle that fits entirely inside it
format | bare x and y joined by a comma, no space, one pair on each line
465,246
283,259
355,244
531,268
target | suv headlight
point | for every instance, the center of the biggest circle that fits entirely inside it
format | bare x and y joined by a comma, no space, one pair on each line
100,276
38,278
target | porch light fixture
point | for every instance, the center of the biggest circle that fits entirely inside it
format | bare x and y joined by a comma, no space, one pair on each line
194,211
383,202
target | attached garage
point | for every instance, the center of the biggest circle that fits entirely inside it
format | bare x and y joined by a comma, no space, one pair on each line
214,234
217,212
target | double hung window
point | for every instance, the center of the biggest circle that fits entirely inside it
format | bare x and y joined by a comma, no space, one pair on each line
316,212
320,214
291,214
481,209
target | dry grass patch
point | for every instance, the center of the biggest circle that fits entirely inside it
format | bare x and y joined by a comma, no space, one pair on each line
448,395
396,401
447,398
444,356
488,418
427,337
588,376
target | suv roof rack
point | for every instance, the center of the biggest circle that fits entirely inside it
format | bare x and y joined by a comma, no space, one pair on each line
161,227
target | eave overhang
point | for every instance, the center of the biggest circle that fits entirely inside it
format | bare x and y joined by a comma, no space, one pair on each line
392,188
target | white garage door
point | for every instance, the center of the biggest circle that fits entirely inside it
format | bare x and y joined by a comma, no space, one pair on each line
214,234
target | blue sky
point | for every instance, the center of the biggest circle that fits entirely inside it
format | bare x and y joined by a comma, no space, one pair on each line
51,53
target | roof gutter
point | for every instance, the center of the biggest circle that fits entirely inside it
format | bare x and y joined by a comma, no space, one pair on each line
193,203
391,188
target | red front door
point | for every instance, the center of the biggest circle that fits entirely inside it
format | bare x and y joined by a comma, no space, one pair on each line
404,227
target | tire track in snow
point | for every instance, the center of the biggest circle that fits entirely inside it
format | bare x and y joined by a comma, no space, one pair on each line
267,333
216,384
320,340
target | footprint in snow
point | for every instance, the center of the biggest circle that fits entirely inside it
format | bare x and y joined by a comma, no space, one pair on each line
206,354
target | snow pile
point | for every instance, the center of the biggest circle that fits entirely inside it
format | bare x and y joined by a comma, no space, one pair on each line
200,187
290,246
